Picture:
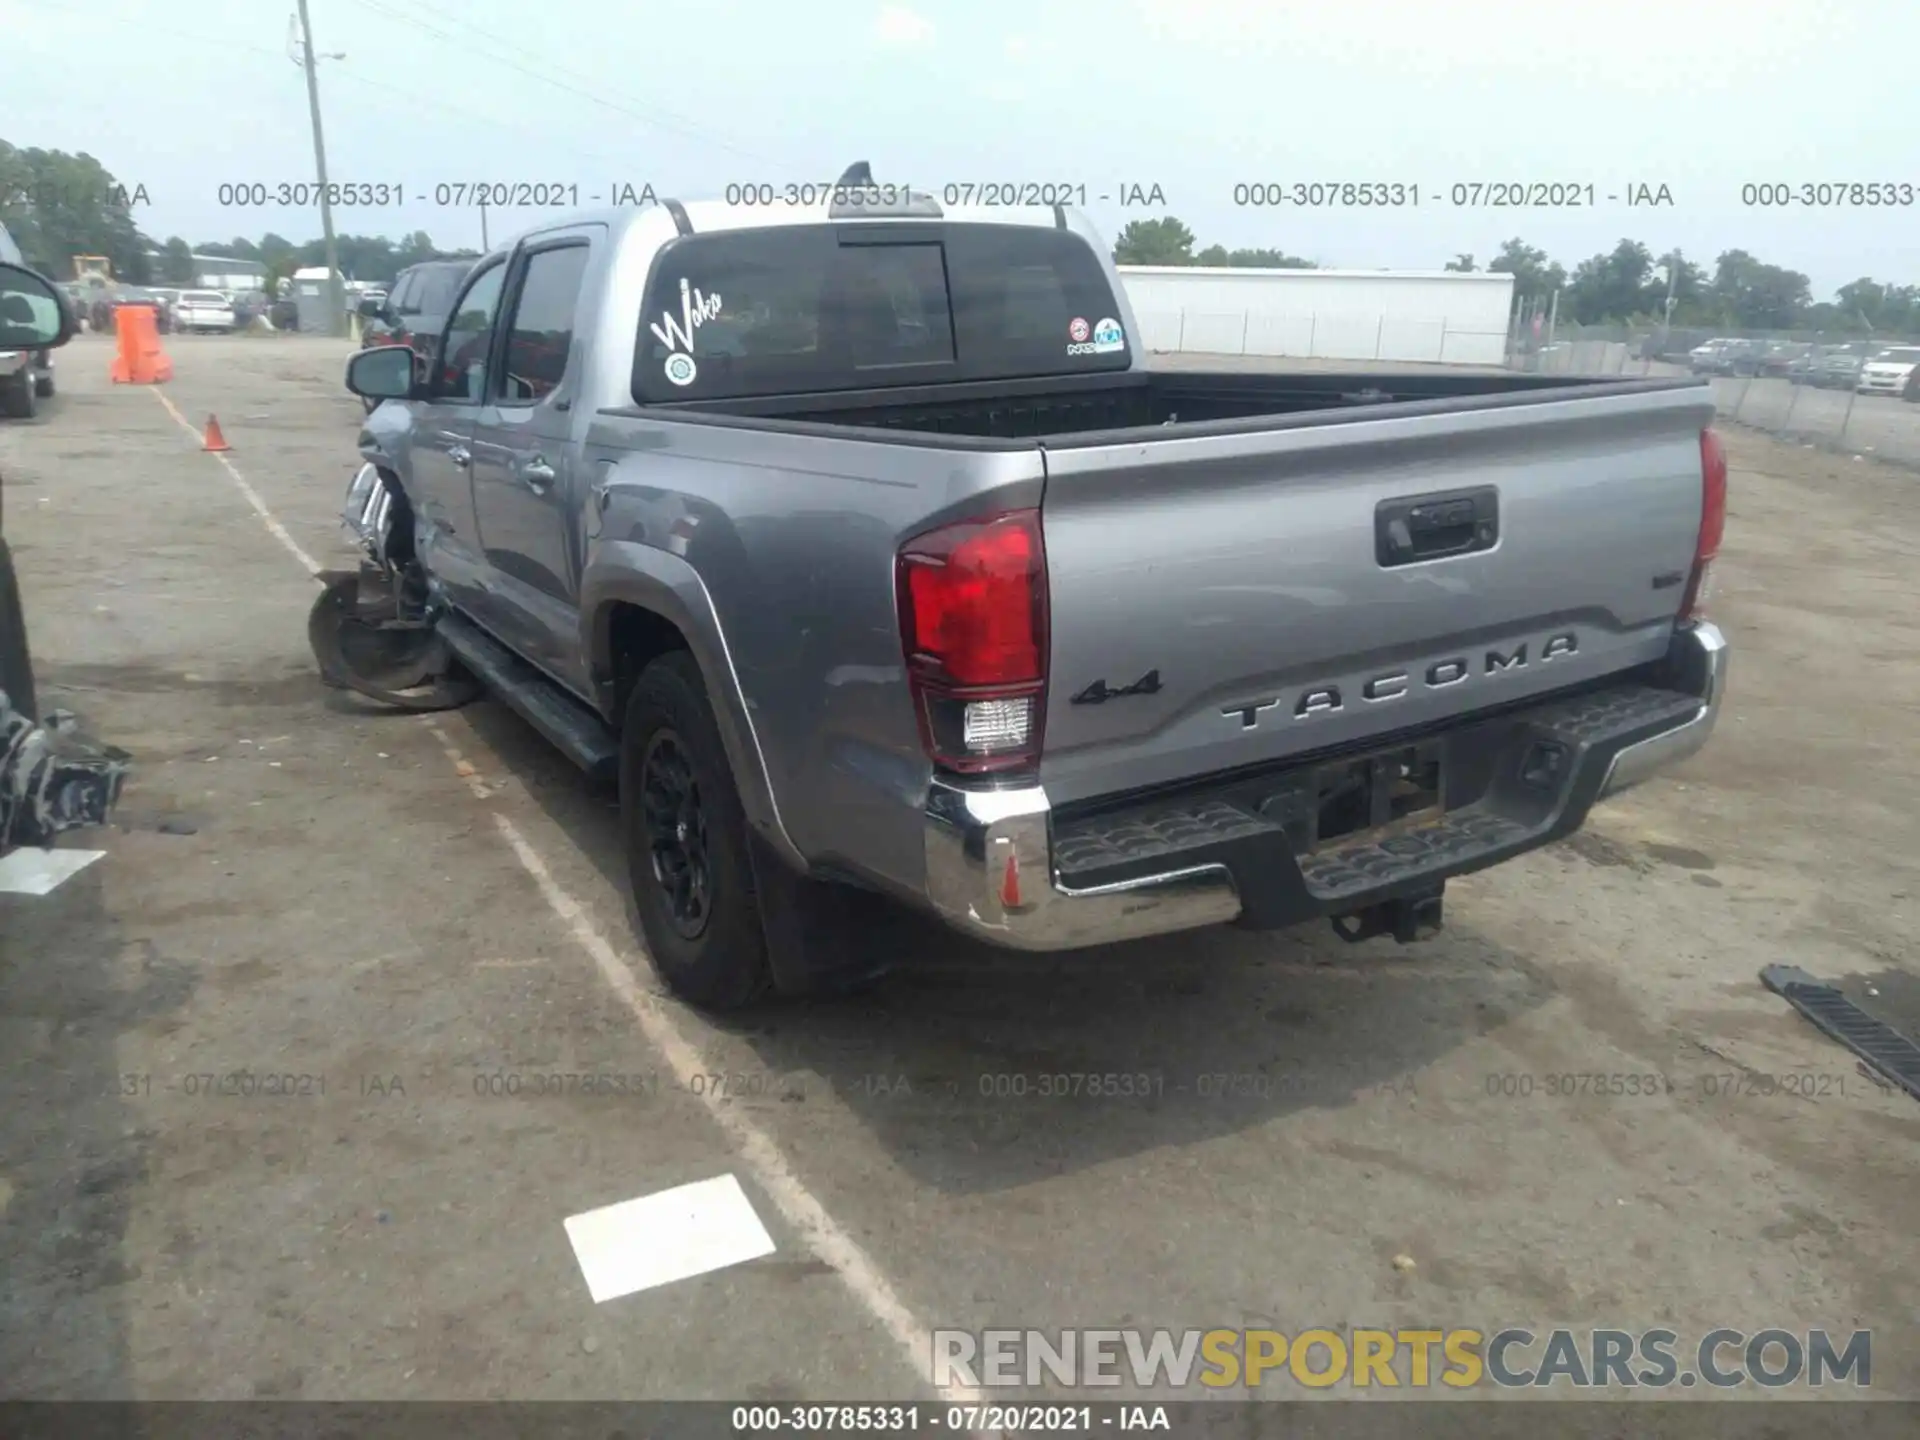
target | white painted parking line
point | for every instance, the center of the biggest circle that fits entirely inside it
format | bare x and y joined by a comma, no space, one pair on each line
267,517
768,1164
771,1169
674,1235
40,872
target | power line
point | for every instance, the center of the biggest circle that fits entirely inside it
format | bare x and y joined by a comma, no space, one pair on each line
662,119
574,75
409,103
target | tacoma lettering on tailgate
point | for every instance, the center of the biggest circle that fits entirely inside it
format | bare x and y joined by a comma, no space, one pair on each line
1392,684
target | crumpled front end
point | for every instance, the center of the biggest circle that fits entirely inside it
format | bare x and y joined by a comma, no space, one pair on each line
53,777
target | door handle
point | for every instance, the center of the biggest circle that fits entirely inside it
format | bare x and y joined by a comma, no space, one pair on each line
537,473
460,456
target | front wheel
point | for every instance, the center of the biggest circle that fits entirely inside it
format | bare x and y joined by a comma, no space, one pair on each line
19,399
686,841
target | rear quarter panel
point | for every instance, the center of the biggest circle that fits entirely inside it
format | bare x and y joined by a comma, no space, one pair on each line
793,538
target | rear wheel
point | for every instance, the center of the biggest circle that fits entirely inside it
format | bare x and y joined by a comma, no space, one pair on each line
686,840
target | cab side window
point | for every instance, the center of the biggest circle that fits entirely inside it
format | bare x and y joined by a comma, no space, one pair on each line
460,377
540,334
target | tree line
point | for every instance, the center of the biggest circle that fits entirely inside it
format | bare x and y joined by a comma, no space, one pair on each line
1627,285
58,206
373,258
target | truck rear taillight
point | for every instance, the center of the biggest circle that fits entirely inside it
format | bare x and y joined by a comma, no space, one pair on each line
1713,525
973,623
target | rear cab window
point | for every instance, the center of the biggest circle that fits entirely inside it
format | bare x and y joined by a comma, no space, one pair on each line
823,307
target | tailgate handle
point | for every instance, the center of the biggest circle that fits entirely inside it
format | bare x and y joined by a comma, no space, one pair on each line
1431,527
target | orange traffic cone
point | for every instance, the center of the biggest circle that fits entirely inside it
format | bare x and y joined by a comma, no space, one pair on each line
141,360
214,440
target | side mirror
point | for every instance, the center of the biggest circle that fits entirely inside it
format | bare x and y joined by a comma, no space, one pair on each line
33,313
383,373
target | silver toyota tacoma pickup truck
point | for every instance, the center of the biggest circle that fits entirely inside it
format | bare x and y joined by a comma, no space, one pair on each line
861,543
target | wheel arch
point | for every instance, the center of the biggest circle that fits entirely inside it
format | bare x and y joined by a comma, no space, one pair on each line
638,603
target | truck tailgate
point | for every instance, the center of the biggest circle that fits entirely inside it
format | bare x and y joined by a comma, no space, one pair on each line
1226,600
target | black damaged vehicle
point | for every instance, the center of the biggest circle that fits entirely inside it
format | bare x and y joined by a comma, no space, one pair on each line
53,777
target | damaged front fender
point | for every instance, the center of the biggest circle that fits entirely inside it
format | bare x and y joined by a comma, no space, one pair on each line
53,777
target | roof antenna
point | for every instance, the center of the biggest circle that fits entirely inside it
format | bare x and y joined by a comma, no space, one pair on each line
858,176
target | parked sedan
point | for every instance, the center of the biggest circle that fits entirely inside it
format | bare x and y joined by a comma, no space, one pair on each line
1781,356
138,295
204,312
1837,371
1708,359
1889,372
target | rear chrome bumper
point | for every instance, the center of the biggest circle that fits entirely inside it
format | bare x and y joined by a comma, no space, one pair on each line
1699,661
992,867
975,837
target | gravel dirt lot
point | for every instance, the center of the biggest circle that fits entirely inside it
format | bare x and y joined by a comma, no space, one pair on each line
399,909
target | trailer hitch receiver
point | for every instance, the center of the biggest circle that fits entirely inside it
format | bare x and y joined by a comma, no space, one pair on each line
1410,918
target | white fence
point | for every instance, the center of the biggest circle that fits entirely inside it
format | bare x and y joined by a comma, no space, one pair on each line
1400,316
1314,337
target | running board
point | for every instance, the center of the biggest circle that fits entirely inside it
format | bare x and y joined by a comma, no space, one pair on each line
1874,1041
574,729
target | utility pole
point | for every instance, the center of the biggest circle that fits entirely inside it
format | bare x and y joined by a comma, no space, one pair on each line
336,299
484,246
1673,276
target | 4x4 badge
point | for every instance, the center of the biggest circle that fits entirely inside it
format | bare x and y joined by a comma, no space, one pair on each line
1099,692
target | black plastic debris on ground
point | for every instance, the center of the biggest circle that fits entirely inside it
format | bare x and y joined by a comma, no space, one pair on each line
1874,1041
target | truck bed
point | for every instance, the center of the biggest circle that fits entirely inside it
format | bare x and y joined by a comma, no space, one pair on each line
1243,571
1089,410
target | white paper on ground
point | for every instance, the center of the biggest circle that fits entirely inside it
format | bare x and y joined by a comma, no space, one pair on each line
28,871
678,1233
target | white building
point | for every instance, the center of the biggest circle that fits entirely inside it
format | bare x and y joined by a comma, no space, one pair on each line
1436,316
217,272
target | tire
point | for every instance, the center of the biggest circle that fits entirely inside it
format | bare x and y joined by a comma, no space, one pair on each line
18,398
16,664
703,931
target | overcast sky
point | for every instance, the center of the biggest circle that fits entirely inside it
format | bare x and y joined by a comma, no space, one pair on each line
1194,96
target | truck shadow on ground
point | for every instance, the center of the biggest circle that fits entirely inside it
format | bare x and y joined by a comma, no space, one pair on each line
980,1069
73,1153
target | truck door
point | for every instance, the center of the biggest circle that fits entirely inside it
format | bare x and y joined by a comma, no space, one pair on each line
526,491
440,455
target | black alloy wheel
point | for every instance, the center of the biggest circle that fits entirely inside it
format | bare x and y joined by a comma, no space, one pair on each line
676,829
688,856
